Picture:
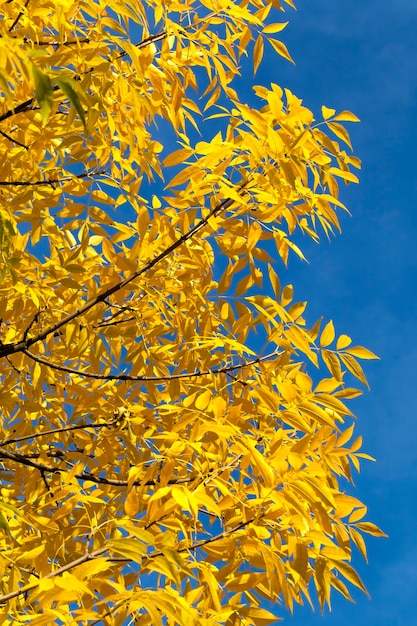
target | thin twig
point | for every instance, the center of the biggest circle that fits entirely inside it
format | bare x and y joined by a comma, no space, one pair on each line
55,469
28,104
34,320
53,431
22,345
89,556
130,377
6,136
18,17
50,181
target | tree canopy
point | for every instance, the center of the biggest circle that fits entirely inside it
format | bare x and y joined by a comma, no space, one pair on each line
175,439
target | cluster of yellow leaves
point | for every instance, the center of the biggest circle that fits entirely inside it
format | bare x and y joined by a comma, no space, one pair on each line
157,465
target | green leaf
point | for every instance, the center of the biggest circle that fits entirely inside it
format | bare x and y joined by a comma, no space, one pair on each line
3,523
44,92
65,85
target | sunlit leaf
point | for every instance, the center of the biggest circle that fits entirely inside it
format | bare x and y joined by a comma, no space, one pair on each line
280,48
328,335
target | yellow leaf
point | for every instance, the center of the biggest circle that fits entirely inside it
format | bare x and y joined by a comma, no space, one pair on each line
326,113
225,310
129,548
91,568
213,586
359,542
341,587
349,573
354,367
287,295
370,529
258,52
357,515
362,353
344,174
203,400
177,157
29,556
328,334
274,28
346,116
36,374
180,497
345,436
333,364
280,48
340,132
273,277
156,203
132,503
343,341
260,617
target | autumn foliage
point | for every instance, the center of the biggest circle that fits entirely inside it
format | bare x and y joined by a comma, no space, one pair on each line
175,440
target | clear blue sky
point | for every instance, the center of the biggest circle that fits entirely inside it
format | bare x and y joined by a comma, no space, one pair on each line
362,56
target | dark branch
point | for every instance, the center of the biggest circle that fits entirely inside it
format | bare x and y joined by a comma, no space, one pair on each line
18,17
6,136
129,377
55,469
22,345
49,181
29,104
89,556
53,431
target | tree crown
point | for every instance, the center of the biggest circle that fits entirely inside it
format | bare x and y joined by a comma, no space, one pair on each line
172,450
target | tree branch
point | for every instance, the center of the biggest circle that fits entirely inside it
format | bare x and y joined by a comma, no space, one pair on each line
89,556
19,346
18,17
28,104
55,469
130,377
6,136
52,432
49,181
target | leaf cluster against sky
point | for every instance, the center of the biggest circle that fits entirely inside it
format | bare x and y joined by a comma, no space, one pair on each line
156,466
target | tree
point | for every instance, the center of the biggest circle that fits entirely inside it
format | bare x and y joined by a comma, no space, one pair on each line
175,440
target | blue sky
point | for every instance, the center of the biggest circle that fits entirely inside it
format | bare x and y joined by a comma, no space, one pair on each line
362,56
